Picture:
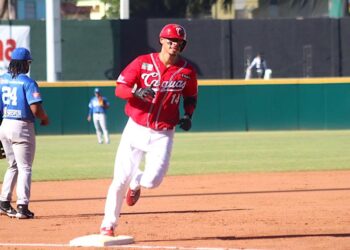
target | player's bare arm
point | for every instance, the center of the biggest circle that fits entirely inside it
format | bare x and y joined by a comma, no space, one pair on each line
39,112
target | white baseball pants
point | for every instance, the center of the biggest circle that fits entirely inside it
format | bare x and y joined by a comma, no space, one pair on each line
18,139
101,127
136,142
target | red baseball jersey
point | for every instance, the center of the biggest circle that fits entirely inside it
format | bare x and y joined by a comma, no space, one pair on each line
169,83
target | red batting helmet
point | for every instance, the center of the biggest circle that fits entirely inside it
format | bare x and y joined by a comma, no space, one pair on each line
175,31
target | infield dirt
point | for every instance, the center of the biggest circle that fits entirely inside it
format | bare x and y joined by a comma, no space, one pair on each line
298,210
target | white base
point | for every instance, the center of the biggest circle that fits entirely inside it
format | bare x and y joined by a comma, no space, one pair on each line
97,240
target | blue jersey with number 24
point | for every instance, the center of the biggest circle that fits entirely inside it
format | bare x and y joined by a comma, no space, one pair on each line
17,94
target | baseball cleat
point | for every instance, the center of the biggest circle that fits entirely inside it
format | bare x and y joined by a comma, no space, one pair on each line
7,209
132,196
108,231
23,212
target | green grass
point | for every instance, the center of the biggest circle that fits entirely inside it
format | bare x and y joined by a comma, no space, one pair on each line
261,152
80,157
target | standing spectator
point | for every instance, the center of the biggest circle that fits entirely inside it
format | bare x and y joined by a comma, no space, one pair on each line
21,103
97,110
152,85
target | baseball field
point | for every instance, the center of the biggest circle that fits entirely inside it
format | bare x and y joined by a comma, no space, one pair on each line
229,190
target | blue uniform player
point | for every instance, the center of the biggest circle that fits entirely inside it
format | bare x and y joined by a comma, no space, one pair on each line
97,110
21,104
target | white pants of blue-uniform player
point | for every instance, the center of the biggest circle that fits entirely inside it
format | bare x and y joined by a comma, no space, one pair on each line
18,139
101,127
137,141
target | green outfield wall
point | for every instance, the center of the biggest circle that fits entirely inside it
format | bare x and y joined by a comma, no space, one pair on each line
223,105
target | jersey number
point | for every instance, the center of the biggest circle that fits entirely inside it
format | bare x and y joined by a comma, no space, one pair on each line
9,95
175,98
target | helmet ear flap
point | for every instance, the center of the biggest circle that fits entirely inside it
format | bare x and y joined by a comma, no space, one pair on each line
183,45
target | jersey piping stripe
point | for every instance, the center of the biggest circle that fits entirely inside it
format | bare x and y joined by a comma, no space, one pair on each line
152,105
165,95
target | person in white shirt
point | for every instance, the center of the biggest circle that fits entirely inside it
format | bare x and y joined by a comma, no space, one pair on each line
259,65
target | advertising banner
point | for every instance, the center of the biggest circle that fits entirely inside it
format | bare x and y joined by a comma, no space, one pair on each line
10,38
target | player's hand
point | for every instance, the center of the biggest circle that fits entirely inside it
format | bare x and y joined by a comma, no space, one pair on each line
89,118
145,94
45,122
185,122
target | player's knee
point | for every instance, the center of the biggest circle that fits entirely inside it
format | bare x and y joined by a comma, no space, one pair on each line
26,168
151,183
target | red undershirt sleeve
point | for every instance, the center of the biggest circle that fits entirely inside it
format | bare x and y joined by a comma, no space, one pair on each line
123,91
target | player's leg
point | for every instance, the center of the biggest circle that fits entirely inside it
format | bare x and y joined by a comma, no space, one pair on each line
103,123
96,120
157,159
126,164
24,151
10,177
156,165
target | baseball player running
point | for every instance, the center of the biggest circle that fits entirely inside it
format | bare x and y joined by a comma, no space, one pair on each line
152,85
97,109
21,104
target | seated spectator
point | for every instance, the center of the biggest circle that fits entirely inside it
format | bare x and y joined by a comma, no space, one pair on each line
259,68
